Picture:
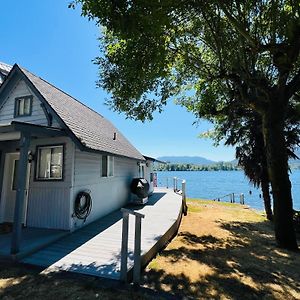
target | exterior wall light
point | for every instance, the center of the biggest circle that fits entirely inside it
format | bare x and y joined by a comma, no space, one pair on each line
30,156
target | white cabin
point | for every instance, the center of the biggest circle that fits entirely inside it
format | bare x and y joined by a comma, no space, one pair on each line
52,148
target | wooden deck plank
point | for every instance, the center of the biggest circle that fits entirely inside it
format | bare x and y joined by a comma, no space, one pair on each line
95,249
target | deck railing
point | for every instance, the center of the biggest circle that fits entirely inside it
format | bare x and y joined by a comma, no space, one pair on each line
232,198
175,183
137,245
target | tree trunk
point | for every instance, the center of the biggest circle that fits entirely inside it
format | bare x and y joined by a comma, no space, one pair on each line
267,199
265,185
277,158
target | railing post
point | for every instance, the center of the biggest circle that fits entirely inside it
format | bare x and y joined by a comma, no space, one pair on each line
242,199
137,248
233,200
167,182
184,197
174,184
124,249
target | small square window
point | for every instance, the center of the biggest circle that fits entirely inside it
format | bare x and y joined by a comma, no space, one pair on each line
107,166
23,106
142,171
50,163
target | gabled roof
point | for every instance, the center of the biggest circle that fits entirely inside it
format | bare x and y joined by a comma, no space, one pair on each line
5,68
90,129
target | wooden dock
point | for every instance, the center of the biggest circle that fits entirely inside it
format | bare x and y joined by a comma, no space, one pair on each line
96,248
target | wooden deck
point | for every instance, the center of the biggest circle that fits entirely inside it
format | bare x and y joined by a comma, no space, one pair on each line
95,249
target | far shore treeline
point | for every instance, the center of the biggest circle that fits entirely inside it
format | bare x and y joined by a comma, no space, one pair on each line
219,166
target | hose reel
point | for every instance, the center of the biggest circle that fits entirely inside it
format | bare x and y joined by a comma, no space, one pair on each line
83,205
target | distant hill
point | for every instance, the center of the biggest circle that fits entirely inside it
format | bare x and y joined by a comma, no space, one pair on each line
199,160
195,160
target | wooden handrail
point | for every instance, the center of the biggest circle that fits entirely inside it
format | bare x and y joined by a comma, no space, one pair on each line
137,245
184,205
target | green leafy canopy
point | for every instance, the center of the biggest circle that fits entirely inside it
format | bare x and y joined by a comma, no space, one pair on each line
200,52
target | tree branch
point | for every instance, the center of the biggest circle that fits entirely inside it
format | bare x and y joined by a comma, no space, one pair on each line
236,24
293,86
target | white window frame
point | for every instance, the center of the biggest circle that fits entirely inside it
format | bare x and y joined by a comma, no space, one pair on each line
142,170
110,166
20,103
38,164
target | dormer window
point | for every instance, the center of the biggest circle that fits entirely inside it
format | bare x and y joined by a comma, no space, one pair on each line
23,106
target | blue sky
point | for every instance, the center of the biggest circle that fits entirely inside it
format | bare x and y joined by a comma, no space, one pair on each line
57,44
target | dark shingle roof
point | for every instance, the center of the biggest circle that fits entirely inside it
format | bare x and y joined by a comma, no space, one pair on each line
5,68
90,128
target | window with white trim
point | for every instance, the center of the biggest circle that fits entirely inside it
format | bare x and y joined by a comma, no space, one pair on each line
50,162
23,106
142,170
107,166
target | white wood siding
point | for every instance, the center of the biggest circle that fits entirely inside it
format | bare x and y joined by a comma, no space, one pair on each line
7,109
48,207
108,193
49,201
148,170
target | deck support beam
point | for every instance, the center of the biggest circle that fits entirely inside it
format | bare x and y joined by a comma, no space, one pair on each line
20,195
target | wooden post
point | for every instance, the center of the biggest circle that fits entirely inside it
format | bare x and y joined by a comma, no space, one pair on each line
124,249
137,248
242,200
20,195
174,184
233,200
184,197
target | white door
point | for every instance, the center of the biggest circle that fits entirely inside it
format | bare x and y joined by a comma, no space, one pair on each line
9,188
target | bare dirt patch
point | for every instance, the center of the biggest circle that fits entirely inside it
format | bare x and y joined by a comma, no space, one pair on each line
225,251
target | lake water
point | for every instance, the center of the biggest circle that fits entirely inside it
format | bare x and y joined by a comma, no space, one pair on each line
215,184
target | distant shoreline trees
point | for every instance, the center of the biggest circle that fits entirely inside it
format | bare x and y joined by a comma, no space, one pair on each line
221,166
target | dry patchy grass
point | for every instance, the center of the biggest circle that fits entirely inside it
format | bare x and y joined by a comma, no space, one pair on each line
17,282
222,251
225,251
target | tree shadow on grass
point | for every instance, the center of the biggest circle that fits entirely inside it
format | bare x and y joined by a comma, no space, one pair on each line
245,264
20,282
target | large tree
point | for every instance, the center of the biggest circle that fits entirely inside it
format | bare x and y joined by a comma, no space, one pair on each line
203,52
241,127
